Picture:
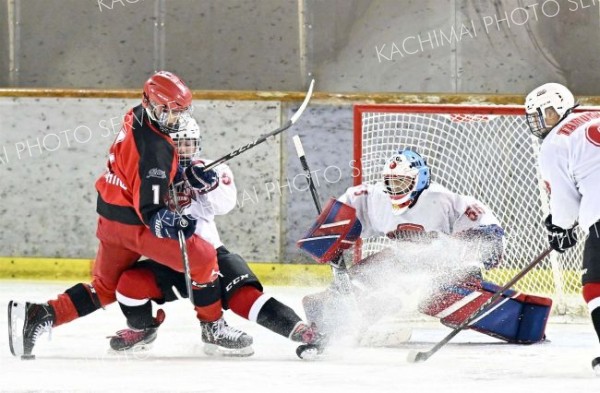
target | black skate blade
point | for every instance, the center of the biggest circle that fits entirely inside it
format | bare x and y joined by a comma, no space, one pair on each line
307,352
28,357
596,366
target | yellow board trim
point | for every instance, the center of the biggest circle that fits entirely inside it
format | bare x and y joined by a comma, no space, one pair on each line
268,273
80,270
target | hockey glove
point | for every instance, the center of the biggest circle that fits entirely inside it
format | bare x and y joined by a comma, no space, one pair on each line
490,246
560,239
203,181
166,223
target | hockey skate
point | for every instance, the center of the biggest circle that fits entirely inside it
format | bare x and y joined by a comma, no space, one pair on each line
313,342
137,339
224,340
26,322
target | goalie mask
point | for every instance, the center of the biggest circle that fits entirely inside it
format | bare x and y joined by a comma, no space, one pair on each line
187,141
540,103
167,100
405,176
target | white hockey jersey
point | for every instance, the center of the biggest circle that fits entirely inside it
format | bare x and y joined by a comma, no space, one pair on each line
437,210
570,167
220,201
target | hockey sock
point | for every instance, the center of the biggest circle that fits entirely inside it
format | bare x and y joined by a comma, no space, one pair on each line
243,299
77,301
277,317
252,304
208,301
591,294
138,317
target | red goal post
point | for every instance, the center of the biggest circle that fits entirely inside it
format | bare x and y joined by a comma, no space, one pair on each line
485,151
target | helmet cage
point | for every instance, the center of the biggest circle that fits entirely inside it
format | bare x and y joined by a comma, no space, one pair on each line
405,176
187,149
168,116
187,141
398,186
539,100
536,123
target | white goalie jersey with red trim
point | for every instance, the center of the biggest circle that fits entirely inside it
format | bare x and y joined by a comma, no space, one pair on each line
437,210
570,167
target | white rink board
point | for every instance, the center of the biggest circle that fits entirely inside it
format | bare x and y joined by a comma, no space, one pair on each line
76,359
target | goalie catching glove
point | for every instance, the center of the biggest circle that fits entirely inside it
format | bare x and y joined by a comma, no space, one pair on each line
202,180
335,230
560,239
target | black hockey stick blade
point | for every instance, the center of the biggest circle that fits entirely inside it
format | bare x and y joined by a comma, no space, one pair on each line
421,356
263,138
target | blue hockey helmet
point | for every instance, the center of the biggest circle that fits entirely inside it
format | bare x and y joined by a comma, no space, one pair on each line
405,176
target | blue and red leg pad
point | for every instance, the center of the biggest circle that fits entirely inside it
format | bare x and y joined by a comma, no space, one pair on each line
515,317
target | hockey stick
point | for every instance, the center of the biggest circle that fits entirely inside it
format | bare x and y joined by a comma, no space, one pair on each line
182,246
338,265
263,138
416,356
212,165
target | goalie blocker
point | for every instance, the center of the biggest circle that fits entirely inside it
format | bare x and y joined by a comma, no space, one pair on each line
516,317
335,230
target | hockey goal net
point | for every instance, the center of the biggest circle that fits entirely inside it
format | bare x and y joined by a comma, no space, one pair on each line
486,152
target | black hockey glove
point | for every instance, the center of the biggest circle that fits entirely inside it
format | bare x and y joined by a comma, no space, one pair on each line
166,223
560,239
202,180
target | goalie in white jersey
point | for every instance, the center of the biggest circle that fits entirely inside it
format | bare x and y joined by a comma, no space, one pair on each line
406,206
570,165
240,289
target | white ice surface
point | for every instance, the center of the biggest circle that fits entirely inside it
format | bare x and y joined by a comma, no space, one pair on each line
76,358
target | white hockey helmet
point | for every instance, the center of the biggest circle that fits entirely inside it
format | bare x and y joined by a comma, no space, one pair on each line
405,176
549,95
187,140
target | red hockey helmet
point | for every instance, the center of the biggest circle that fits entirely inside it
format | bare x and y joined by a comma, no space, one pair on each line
166,99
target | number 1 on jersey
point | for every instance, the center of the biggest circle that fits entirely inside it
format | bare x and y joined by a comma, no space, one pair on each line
156,191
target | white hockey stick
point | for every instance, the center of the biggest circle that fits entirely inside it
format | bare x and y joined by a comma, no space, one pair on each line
263,138
416,356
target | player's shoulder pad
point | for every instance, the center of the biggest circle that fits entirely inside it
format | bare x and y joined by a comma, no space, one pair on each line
437,190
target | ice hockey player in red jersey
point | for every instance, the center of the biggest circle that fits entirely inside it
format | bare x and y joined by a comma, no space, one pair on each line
134,219
241,290
411,211
569,162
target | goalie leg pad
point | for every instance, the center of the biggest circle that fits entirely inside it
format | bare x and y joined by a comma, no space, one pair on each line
515,317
